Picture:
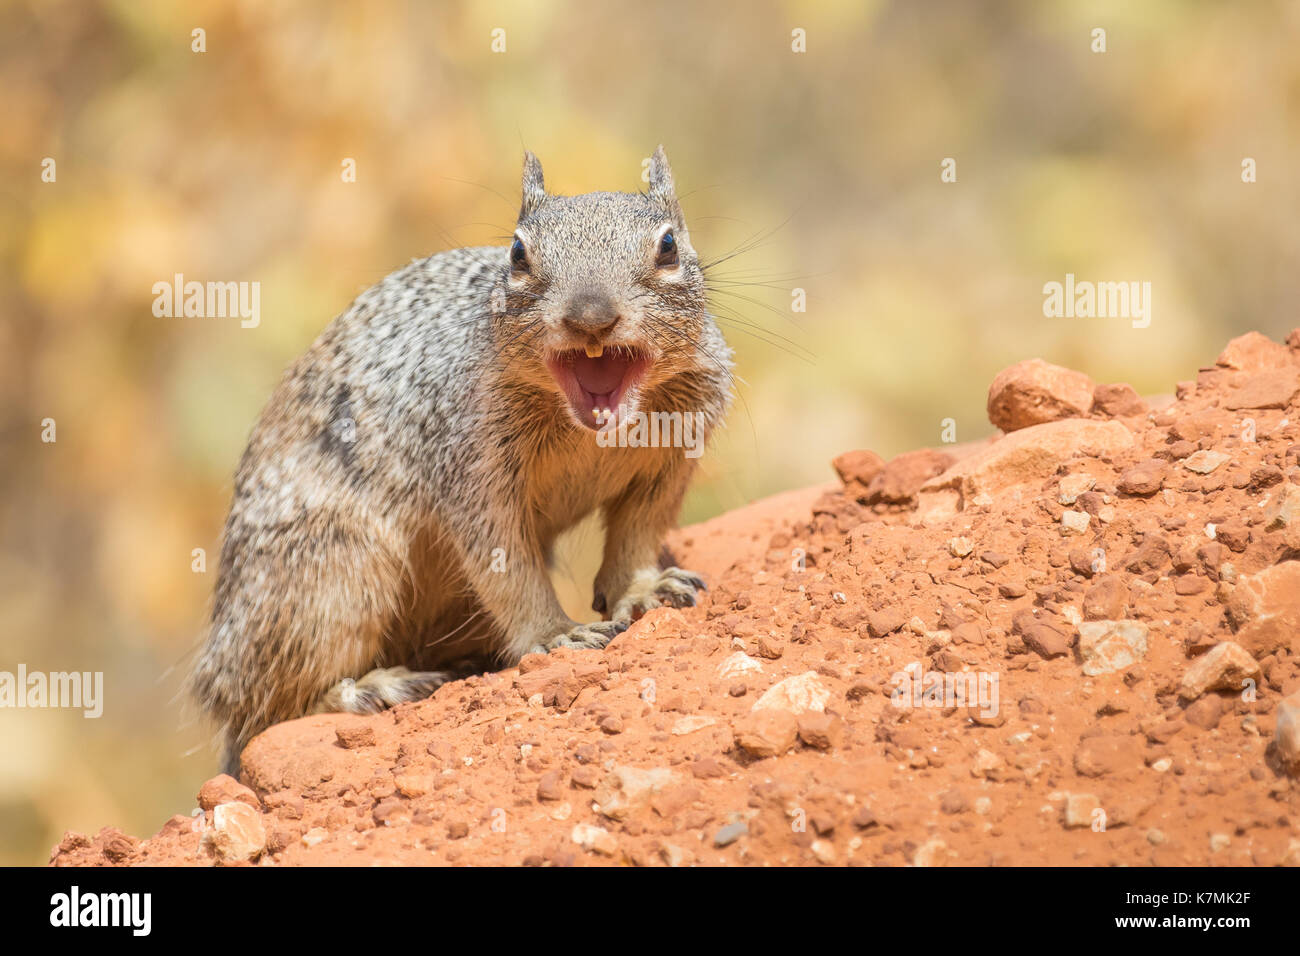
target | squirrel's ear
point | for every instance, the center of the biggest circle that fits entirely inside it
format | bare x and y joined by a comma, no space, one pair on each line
662,187
534,187
661,176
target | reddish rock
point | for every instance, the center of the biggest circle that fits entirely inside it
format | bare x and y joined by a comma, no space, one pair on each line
953,802
1226,666
706,768
1106,599
1091,502
1104,754
410,784
1176,451
1254,352
1034,392
1205,712
820,730
1153,554
1233,535
1040,636
1283,509
885,621
1023,458
117,846
900,480
1144,478
1286,734
611,724
354,735
1185,556
392,812
857,468
1264,608
865,818
224,788
1272,389
1160,731
586,777
303,754
1118,401
1266,476
72,840
1210,556
560,682
766,732
1082,562
549,786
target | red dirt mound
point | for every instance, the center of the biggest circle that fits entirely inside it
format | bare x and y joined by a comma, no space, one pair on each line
1073,644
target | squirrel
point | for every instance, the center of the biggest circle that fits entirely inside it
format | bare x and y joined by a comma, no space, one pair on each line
395,510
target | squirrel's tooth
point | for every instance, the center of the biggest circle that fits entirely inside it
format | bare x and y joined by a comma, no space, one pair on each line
595,351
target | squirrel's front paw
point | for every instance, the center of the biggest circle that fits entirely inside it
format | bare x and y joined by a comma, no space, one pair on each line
672,586
594,636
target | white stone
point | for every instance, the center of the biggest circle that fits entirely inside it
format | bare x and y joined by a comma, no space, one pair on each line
594,838
737,664
1075,522
798,694
1074,485
1109,646
237,832
628,787
690,724
1203,462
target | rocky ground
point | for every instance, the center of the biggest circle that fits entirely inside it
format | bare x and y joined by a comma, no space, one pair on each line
1078,643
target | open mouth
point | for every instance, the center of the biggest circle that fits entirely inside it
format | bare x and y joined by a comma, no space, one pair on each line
597,380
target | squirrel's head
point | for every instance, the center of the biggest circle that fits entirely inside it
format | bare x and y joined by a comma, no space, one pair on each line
602,296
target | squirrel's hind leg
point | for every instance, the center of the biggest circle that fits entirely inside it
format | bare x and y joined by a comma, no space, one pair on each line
383,687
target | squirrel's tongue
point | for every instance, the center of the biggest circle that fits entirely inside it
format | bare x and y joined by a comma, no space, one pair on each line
600,376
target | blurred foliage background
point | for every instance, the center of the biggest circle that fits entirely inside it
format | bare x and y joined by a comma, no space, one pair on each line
225,165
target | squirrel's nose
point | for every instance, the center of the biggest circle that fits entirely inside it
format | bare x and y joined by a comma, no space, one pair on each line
590,314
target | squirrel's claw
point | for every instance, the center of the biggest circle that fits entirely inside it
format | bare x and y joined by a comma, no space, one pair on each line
593,636
674,587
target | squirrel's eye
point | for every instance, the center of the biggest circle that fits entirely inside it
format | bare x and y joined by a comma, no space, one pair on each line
667,250
518,258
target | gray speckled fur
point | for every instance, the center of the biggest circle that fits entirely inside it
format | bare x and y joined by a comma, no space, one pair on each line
420,432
